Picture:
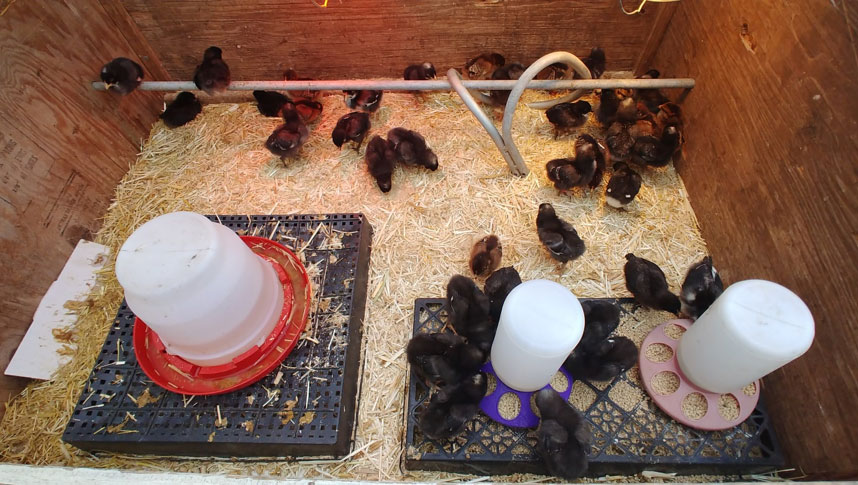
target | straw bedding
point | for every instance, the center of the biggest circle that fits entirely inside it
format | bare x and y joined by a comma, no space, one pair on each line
424,229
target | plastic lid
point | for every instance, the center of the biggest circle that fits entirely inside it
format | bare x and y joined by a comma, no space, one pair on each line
769,317
176,248
543,316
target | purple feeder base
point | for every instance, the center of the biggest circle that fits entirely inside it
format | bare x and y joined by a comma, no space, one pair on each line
525,418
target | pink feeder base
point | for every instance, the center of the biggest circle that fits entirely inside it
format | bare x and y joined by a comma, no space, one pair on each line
672,403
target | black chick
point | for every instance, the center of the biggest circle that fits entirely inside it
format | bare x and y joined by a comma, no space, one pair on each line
567,173
624,185
600,319
270,103
567,116
619,141
380,159
419,72
450,409
497,288
443,358
590,154
563,436
595,62
365,100
508,72
212,75
308,109
411,149
604,360
182,110
483,66
122,75
468,312
702,285
288,138
557,70
486,255
609,102
352,127
557,235
652,98
647,283
653,151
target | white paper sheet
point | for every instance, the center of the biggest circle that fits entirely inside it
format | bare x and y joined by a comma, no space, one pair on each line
37,355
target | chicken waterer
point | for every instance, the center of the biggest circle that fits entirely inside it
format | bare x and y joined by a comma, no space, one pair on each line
215,305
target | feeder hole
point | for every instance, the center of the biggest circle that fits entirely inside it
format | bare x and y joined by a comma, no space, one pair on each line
665,382
673,331
658,353
694,406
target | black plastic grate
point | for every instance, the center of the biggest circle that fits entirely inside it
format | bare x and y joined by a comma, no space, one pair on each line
628,437
320,378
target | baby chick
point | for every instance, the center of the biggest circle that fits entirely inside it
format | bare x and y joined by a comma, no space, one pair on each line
590,154
505,73
483,66
365,100
609,102
308,110
498,286
122,75
557,70
619,141
604,360
450,409
563,436
380,159
352,127
485,256
288,138
564,173
651,98
270,103
419,72
647,283
624,185
468,312
702,285
212,76
411,149
567,116
443,358
182,110
595,62
557,235
600,319
291,75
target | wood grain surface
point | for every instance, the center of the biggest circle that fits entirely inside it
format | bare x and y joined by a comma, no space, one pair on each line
772,173
379,38
63,147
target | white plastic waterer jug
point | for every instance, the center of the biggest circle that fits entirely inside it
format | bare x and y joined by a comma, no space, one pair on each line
752,329
540,324
207,296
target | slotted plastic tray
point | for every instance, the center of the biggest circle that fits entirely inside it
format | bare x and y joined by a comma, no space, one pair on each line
628,437
321,379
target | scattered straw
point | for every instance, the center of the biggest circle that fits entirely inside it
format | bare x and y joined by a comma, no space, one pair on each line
306,418
145,398
423,231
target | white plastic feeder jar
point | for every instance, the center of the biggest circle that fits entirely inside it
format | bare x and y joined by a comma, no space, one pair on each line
751,330
197,285
540,324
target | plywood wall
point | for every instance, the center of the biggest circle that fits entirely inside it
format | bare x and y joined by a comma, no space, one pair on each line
772,173
63,147
376,38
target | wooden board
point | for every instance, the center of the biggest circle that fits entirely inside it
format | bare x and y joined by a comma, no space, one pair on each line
772,176
350,39
63,148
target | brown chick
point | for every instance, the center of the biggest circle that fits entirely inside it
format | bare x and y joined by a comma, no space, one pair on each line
508,72
308,110
567,116
486,256
483,66
291,75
